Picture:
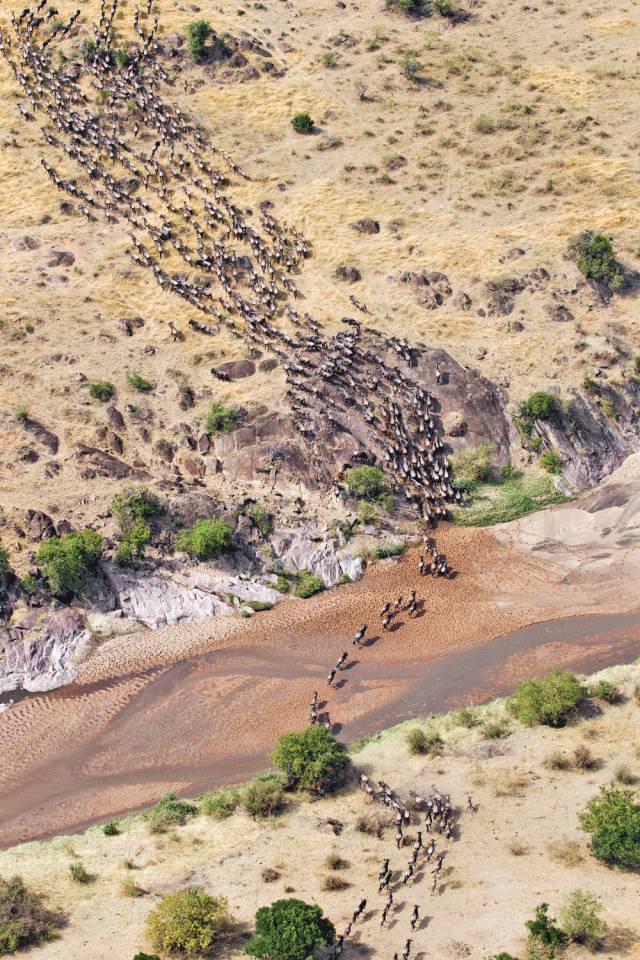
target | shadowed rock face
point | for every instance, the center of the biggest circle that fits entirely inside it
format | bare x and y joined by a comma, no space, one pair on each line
38,652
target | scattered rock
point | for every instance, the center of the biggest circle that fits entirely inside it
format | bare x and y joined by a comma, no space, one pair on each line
26,243
237,369
366,225
463,301
61,258
39,525
39,652
348,273
203,443
163,449
560,314
115,418
186,398
268,365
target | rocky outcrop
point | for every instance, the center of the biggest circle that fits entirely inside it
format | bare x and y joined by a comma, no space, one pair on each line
161,598
306,549
40,648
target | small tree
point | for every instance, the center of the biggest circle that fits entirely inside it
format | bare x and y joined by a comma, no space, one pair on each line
302,123
220,419
188,922
580,919
24,918
206,539
596,259
312,759
551,701
197,34
134,503
68,561
290,930
544,928
365,482
134,539
613,820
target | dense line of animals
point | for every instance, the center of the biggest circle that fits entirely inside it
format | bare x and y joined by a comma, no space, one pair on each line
173,198
436,808
172,194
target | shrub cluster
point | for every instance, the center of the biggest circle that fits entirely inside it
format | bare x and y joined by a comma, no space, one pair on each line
67,562
220,419
169,811
424,742
613,820
189,922
472,465
551,701
302,123
311,759
264,797
101,390
596,259
206,539
290,930
24,919
365,482
133,506
5,570
308,584
197,34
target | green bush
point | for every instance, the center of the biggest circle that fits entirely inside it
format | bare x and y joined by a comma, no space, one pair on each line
411,8
424,743
544,928
446,8
134,503
5,570
551,462
169,811
264,797
79,874
367,513
290,930
365,482
596,259
261,518
138,382
258,605
219,805
22,415
122,58
551,701
312,759
539,406
189,923
607,691
307,584
68,561
220,419
205,539
385,550
132,544
197,34
101,390
302,123
24,919
495,729
110,829
88,50
580,919
613,820
146,956
473,463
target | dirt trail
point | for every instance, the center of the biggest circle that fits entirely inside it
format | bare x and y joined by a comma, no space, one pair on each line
196,707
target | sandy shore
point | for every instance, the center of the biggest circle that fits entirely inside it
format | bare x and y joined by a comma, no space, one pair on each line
192,707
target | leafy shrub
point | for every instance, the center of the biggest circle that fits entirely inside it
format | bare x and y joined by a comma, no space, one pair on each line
138,382
205,539
110,828
424,742
24,920
411,8
5,570
367,513
446,8
219,805
312,759
132,544
101,390
290,930
495,729
22,415
613,820
539,406
146,956
365,482
122,58
308,584
88,50
264,797
473,463
258,605
607,691
385,550
580,919
197,34
551,461
68,561
583,758
550,701
544,928
220,419
169,811
466,717
188,922
596,260
302,123
79,874
134,503
261,518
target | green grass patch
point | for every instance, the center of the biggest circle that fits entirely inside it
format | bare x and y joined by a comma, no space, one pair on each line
498,503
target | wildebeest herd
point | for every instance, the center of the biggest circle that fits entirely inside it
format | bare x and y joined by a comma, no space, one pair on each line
142,160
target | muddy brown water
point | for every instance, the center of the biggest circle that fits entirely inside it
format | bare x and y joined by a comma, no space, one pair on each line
77,780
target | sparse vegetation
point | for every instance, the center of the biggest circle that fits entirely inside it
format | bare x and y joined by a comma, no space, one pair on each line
5,570
169,811
513,498
24,919
189,923
79,874
607,691
110,828
545,929
134,503
133,541
613,820
290,930
580,919
382,551
68,562
551,462
472,464
551,701
539,406
206,539
262,519
101,390
302,123
264,797
308,584
424,742
311,759
219,805
411,8
138,382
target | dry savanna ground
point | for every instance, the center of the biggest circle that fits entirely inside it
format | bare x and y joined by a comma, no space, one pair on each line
523,846
521,132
